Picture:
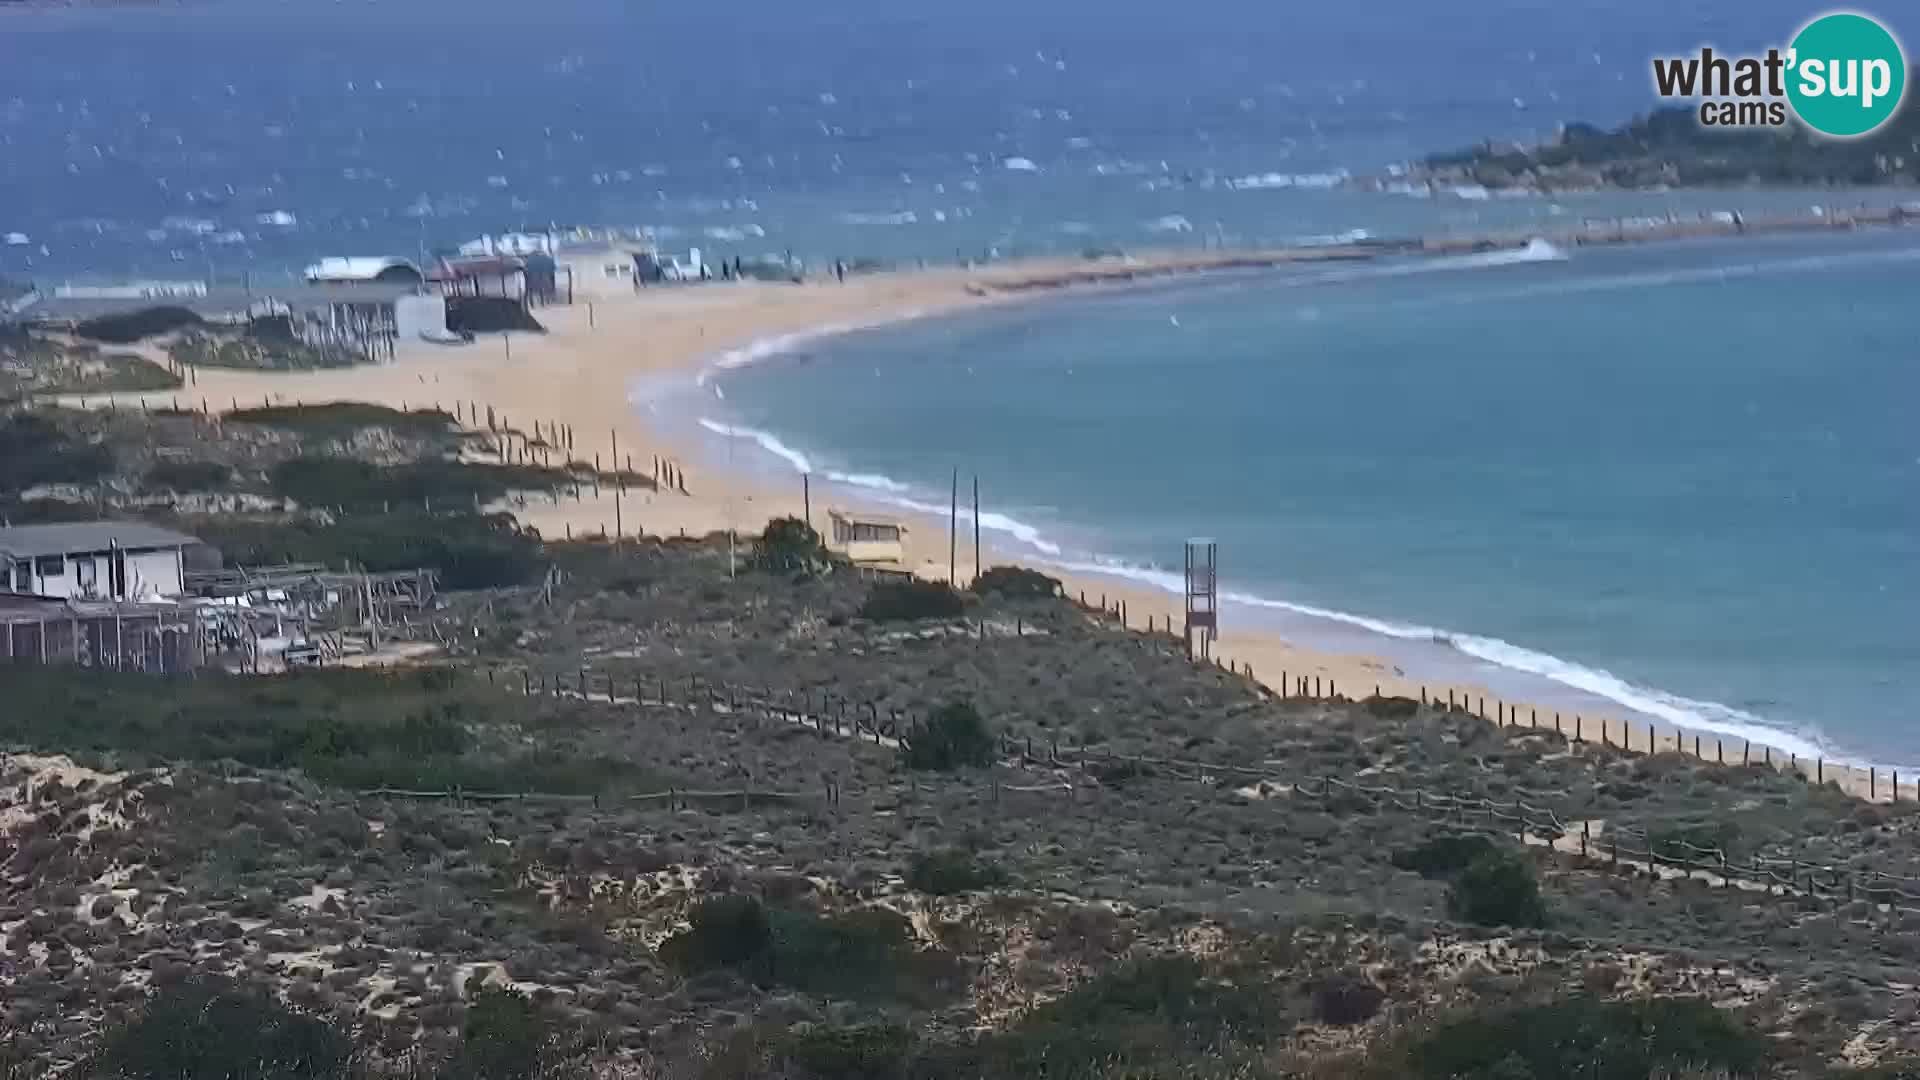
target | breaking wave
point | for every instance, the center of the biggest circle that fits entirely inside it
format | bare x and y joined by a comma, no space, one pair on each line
1689,713
1685,712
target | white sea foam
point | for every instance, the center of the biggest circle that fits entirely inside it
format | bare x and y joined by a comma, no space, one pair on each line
884,489
765,440
279,219
1268,181
1537,250
1351,236
1019,164
1174,223
1694,715
903,217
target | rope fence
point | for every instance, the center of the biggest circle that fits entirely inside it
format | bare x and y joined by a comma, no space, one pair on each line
1526,816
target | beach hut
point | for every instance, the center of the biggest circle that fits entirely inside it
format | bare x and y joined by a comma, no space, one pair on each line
865,538
109,560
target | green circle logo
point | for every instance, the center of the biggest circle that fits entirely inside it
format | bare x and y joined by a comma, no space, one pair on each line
1846,75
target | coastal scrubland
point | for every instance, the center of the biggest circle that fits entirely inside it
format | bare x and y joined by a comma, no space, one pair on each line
1668,147
741,827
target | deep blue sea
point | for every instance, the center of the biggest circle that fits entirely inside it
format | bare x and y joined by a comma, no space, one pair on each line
1680,479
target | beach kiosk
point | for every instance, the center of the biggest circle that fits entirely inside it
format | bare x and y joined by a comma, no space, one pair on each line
865,538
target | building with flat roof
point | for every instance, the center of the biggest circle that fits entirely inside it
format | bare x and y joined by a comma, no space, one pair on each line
386,269
94,560
866,538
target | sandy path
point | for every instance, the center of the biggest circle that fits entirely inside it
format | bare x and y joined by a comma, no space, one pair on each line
581,371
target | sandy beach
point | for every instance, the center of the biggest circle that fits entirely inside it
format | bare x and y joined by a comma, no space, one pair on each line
581,373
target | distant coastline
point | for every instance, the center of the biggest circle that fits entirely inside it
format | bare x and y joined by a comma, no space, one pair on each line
1668,149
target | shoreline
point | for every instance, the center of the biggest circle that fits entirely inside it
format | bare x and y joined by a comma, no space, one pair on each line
583,373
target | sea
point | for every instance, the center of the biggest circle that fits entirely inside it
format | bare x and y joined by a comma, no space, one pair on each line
1676,481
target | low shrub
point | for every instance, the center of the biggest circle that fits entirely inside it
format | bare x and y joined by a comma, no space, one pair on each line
345,417
1694,840
860,1052
953,737
789,544
471,551
1444,855
900,601
187,476
1016,582
504,1037
132,326
1497,889
951,872
1161,1017
1202,1007
1346,998
1585,1038
726,931
870,953
1391,708
340,726
34,450
358,485
217,1028
1119,772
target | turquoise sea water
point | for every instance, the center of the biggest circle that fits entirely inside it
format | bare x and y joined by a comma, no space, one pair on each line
1681,479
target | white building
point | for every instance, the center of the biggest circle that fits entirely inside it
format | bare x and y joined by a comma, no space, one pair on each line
363,269
864,538
598,270
99,560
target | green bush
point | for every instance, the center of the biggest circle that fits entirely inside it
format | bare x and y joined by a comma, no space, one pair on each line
1691,840
861,1052
1346,998
1444,855
354,728
471,551
1585,1038
217,1029
1016,582
187,476
869,953
953,737
503,1037
789,544
132,326
1497,889
950,872
899,601
726,931
344,418
1391,708
1162,1018
357,485
34,450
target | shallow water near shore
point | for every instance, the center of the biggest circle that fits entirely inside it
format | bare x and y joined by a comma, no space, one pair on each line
1675,480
